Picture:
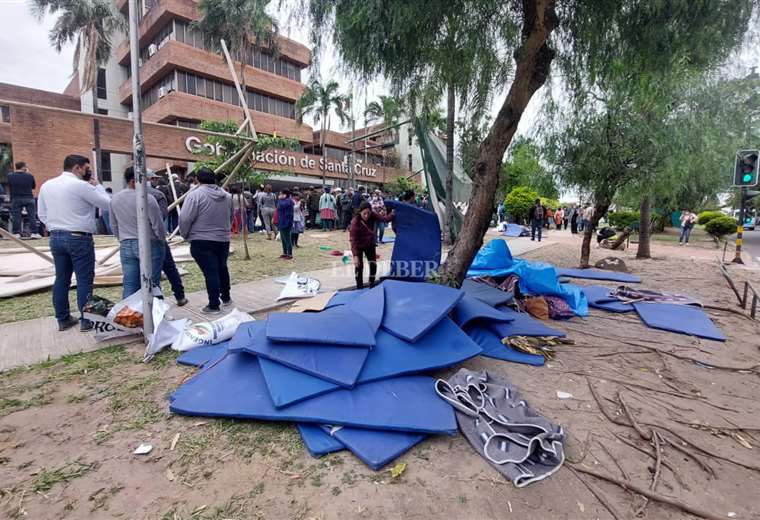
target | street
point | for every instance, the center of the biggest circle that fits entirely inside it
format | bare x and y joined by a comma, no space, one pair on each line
752,245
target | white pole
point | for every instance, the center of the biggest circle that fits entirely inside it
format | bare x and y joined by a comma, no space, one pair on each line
143,229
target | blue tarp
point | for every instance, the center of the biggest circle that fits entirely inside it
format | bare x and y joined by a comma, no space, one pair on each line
495,259
516,230
417,248
234,387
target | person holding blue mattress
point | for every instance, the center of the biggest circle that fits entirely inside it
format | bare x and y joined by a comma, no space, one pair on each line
362,237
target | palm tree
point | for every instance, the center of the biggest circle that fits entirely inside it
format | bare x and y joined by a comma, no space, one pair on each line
89,24
319,100
388,110
243,24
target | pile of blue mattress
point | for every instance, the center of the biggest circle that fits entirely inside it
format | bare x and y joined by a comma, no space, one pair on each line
352,376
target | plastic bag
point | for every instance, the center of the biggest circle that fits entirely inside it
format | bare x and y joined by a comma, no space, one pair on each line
128,312
298,287
98,305
210,333
165,331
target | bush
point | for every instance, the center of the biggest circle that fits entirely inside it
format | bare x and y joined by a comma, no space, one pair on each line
721,226
518,203
623,219
706,216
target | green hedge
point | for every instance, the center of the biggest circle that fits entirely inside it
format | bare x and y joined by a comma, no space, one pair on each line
623,219
721,226
518,203
706,216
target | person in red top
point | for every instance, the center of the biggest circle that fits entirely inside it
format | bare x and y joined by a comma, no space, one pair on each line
362,237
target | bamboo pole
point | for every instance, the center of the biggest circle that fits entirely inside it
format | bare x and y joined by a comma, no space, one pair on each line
241,95
26,246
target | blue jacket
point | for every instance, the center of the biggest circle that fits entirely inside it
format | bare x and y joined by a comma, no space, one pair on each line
284,213
357,200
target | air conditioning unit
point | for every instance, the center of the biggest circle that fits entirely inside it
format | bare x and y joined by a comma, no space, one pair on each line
162,91
152,49
163,42
139,62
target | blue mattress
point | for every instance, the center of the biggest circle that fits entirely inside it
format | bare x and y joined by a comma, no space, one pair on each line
470,309
370,306
335,326
344,297
599,297
445,345
205,354
494,348
515,230
485,293
413,308
376,448
318,442
523,325
417,248
234,387
683,319
315,359
598,274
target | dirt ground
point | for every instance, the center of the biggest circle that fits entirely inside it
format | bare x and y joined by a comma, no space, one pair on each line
68,429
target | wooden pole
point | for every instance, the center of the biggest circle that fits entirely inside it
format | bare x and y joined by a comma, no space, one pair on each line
26,246
243,98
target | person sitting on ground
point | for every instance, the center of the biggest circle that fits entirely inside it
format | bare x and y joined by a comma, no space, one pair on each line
123,215
285,214
205,223
362,237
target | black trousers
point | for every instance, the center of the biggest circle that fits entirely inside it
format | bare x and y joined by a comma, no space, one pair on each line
371,255
211,257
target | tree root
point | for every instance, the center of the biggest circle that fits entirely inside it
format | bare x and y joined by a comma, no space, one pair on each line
600,496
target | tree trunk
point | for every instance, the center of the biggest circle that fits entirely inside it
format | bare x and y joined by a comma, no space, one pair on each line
450,114
96,128
533,60
243,225
600,209
645,223
322,149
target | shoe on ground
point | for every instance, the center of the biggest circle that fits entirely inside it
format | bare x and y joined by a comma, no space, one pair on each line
181,302
17,235
288,257
35,236
86,325
210,310
227,304
67,324
282,256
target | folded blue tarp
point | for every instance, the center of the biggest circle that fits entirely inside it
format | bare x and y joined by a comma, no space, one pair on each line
370,306
388,239
417,248
339,365
374,447
344,297
600,297
598,274
336,326
494,348
470,309
413,308
443,346
683,319
317,441
523,325
495,259
234,387
203,355
485,293
515,230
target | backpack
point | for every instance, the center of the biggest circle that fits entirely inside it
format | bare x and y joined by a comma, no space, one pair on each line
539,213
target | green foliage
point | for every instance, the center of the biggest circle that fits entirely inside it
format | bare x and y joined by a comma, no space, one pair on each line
550,203
721,226
319,100
524,169
518,203
229,146
706,216
387,110
399,185
622,219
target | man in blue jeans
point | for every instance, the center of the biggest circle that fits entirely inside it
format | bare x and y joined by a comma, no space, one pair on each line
22,185
285,208
67,206
123,211
205,222
537,214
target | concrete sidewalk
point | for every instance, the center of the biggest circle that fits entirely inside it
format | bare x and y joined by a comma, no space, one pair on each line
33,341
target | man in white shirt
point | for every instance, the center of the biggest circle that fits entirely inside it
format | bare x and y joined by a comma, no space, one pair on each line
66,205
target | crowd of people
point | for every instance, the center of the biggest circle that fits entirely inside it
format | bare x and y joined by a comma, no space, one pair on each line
74,205
578,217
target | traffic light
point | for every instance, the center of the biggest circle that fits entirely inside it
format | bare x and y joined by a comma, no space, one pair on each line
746,168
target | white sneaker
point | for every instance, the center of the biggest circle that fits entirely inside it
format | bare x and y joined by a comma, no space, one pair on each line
228,304
36,235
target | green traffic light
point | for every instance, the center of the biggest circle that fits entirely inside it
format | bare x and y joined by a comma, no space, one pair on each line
747,177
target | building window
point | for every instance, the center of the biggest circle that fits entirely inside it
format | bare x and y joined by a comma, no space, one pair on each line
103,111
5,114
411,134
409,161
102,91
105,166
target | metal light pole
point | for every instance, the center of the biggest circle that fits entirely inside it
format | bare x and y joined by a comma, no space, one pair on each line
143,229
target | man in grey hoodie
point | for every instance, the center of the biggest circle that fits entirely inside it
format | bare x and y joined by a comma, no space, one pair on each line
205,223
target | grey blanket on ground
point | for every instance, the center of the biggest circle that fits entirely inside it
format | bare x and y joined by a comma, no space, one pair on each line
502,428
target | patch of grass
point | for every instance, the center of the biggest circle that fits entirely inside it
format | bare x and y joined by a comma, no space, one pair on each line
47,478
257,490
349,477
462,499
335,491
316,480
11,405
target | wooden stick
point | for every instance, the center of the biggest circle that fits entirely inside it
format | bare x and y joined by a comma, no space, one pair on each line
613,459
665,462
702,464
600,496
630,486
634,424
26,246
658,461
